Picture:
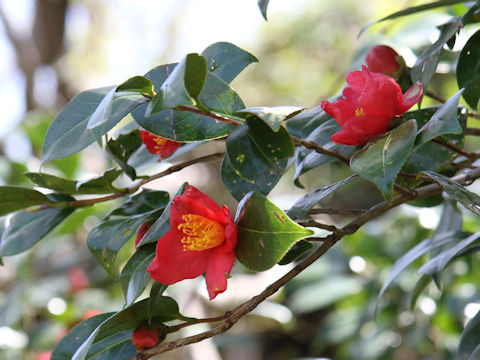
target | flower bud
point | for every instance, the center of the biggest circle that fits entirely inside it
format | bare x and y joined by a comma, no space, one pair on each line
78,279
141,232
143,338
383,59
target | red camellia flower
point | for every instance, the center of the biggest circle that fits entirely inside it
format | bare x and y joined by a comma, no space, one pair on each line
368,105
383,59
144,338
158,145
201,239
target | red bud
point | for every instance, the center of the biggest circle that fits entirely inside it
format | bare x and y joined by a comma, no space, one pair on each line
383,59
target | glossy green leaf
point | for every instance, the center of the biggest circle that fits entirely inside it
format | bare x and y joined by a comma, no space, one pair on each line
470,200
47,181
304,123
414,253
252,149
14,198
156,292
138,84
121,148
444,121
165,309
107,238
265,232
302,206
67,346
469,347
263,183
468,71
182,87
413,10
118,346
159,74
272,116
68,133
185,126
226,60
161,226
27,228
297,250
381,159
263,5
436,265
134,277
421,285
143,202
99,185
426,64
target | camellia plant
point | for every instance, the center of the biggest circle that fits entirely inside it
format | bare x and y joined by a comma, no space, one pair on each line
378,130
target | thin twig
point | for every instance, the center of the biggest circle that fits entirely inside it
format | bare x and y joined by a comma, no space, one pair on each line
331,211
313,223
313,146
136,187
472,131
329,241
456,149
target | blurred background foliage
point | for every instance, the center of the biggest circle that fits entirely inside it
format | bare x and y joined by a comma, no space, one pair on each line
53,49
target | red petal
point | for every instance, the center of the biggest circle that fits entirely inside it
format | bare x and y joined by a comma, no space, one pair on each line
411,97
171,264
220,264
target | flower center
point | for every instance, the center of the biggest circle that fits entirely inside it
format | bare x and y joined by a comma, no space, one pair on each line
360,112
201,233
160,143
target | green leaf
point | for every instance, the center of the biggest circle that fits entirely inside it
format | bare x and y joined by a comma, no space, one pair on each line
265,232
295,251
156,292
122,148
468,71
118,346
227,60
103,111
62,185
421,284
182,87
263,5
68,133
444,121
252,149
159,74
426,64
27,228
161,226
302,206
134,277
185,126
109,330
67,346
14,198
436,265
469,348
412,10
304,123
99,185
381,159
414,253
272,116
138,84
146,201
470,200
107,238
263,183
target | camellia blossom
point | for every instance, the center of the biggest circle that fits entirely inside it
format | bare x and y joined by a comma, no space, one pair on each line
158,145
144,339
384,59
368,105
201,240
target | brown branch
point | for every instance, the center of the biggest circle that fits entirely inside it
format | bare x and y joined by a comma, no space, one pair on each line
210,114
329,241
456,149
472,131
134,188
313,146
313,223
330,211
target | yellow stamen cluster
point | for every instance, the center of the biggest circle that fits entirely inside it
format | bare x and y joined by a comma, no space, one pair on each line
160,143
202,233
359,111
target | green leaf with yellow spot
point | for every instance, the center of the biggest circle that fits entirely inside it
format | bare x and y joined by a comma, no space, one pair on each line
254,148
265,232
